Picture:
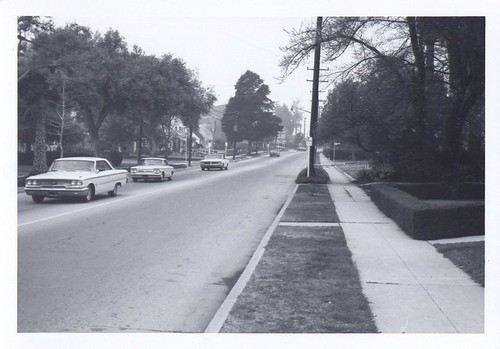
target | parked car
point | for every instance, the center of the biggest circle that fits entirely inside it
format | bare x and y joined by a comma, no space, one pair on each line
274,152
81,177
214,161
301,148
152,168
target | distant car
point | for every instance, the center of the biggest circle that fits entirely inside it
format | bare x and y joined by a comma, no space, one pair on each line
81,177
214,161
152,168
274,152
301,148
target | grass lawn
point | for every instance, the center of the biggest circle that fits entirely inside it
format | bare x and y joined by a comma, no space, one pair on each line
468,256
306,282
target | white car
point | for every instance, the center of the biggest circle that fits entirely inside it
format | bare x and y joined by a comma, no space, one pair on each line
152,168
214,161
82,177
274,152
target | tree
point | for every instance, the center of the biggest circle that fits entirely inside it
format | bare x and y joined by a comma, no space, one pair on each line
291,121
199,101
249,113
436,63
99,83
61,121
33,90
28,27
90,66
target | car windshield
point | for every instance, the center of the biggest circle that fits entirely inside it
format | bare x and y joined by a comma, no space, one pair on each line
152,162
72,165
214,156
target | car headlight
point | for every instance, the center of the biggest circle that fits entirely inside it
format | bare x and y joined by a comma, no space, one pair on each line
156,170
75,183
133,170
31,182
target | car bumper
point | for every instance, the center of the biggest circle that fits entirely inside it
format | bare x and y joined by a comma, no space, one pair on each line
145,176
56,192
212,165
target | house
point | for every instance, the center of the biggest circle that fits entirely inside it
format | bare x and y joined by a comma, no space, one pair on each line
211,129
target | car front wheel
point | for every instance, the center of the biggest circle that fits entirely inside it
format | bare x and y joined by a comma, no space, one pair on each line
89,195
37,198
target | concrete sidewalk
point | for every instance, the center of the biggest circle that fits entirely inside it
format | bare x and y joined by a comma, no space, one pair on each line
411,287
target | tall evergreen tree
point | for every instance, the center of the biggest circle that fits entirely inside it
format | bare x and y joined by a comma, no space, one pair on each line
249,113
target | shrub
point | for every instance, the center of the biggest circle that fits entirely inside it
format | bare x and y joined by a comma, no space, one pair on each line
328,153
321,177
26,158
376,174
345,154
115,157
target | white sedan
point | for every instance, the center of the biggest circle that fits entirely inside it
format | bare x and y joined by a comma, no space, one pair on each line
82,177
152,168
214,161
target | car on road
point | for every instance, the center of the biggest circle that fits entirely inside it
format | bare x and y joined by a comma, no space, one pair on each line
152,168
274,152
80,177
214,161
301,148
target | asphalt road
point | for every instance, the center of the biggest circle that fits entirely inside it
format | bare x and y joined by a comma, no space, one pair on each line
159,257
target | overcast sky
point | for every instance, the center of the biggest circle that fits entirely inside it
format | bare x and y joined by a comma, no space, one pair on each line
220,49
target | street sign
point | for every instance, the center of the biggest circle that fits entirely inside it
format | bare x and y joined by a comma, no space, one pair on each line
309,141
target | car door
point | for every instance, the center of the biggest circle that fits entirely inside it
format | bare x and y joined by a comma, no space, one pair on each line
105,181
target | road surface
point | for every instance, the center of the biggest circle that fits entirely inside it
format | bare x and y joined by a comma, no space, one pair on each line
159,257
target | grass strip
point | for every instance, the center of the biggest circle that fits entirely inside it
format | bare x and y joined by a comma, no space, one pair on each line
305,282
468,256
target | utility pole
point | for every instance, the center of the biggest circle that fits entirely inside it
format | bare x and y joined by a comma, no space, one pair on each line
315,100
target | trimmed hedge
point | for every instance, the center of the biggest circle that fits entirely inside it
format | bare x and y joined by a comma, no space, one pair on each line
441,191
428,220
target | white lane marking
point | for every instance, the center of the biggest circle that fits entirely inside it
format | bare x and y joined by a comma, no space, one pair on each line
308,224
84,209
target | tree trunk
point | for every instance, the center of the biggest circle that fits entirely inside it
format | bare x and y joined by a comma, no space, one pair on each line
465,82
418,85
139,141
93,131
152,136
40,150
94,136
190,144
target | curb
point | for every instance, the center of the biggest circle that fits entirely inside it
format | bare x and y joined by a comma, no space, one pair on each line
221,315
